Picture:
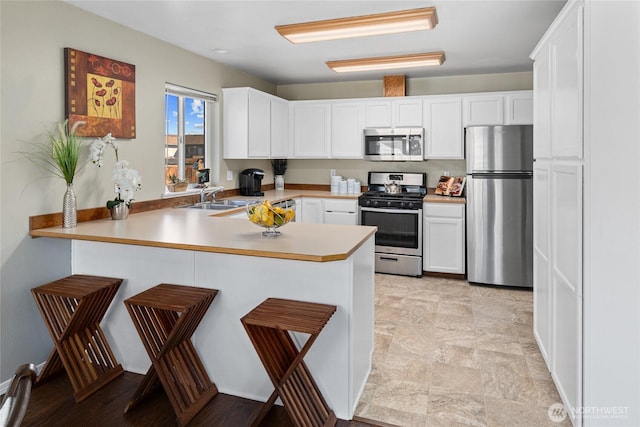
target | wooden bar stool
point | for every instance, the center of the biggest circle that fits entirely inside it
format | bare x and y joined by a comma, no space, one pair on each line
166,316
268,326
72,309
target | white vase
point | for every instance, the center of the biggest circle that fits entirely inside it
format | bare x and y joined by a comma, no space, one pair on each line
279,182
69,208
120,211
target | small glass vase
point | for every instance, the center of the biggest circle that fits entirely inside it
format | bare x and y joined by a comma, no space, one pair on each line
120,211
69,208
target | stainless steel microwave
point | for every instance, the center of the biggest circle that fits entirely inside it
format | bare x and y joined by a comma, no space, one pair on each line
394,144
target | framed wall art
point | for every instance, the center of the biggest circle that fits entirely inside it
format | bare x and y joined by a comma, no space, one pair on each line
101,92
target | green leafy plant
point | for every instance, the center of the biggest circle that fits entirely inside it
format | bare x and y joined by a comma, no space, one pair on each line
175,180
61,154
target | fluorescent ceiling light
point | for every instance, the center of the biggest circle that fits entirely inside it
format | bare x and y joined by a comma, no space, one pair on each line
360,26
387,62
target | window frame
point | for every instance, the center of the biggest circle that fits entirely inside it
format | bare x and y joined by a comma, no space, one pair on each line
209,100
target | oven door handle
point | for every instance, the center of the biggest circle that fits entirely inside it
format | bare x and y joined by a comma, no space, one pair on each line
383,210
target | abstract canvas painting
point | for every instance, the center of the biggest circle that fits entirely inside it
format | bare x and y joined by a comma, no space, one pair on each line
100,92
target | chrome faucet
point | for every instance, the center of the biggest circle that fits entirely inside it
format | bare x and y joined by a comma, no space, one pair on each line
206,191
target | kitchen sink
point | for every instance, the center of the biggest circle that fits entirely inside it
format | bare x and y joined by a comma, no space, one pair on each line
219,204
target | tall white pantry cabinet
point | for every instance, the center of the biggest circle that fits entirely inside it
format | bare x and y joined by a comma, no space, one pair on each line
587,209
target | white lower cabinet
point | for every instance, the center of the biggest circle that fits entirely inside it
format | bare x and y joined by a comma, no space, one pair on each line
541,257
328,211
443,238
311,212
566,280
341,212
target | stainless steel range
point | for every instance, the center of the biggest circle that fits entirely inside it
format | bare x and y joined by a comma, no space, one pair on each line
393,203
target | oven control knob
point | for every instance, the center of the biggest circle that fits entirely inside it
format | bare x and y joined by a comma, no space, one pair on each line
411,205
388,203
403,205
375,204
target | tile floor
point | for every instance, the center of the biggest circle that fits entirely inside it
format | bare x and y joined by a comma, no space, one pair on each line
452,354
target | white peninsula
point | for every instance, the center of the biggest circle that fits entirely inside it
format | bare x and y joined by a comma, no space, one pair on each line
330,264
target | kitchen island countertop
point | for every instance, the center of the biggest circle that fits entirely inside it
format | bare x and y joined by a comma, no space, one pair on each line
209,231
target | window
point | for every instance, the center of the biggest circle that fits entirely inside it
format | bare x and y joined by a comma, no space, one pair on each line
187,131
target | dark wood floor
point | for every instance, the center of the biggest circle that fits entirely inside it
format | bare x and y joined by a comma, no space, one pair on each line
52,404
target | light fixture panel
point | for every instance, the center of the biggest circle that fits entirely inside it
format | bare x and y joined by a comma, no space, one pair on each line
387,62
361,26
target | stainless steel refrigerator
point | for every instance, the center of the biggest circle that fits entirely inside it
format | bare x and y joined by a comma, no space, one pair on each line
500,205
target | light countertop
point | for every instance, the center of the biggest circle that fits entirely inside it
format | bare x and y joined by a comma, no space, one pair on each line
208,231
291,194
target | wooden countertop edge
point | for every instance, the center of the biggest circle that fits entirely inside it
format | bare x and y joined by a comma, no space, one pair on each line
215,249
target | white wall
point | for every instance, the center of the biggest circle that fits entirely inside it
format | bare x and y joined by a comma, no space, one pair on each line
33,36
612,213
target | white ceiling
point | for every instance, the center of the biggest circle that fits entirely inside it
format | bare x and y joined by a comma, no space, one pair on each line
478,36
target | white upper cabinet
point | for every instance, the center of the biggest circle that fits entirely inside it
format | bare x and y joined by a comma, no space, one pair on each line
249,125
347,122
384,113
311,129
505,108
542,106
518,109
566,92
279,128
378,114
235,123
259,125
406,112
443,128
480,110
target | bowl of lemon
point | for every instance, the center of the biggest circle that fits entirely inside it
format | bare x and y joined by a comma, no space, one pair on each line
269,217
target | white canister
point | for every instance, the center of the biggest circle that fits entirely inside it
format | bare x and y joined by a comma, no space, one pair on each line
350,182
342,187
357,187
335,183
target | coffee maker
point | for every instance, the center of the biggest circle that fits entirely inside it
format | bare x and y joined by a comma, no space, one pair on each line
251,182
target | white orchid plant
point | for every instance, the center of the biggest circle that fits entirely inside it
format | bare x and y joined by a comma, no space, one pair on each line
125,179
